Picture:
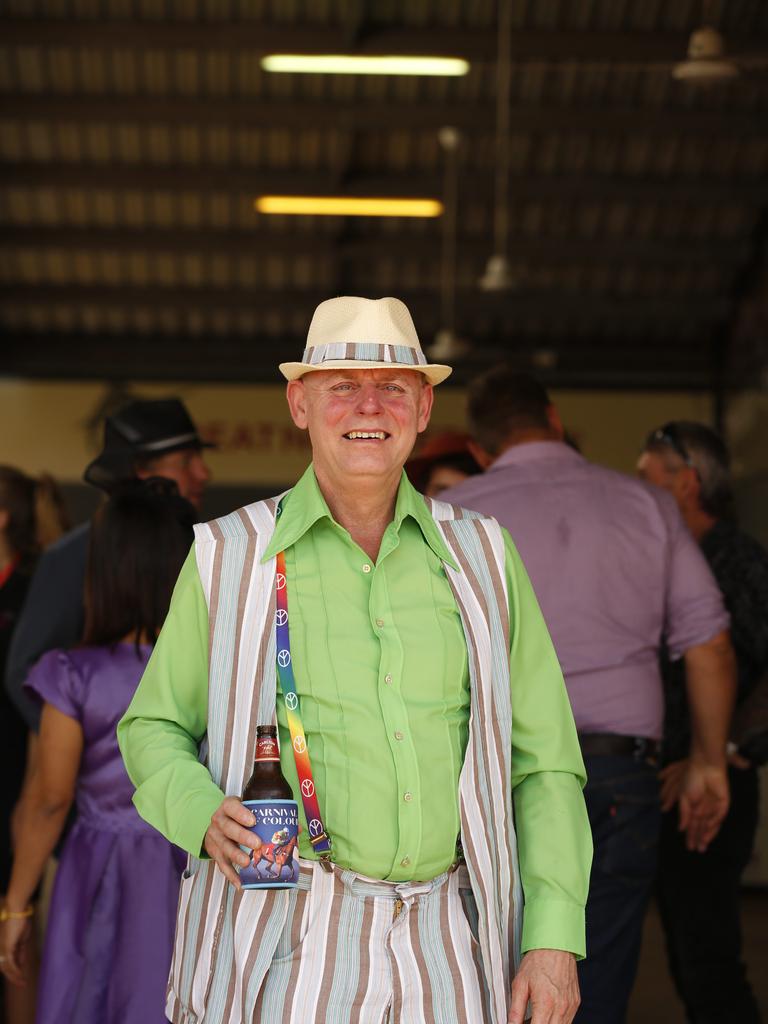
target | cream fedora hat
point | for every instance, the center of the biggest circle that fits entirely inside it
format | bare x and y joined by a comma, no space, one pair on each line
363,334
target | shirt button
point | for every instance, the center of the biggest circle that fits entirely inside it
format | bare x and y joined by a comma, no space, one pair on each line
387,678
366,568
408,797
398,735
405,862
379,622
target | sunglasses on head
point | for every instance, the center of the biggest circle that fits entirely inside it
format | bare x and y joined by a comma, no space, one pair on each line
669,435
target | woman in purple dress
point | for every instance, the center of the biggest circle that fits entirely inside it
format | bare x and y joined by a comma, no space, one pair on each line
111,922
32,515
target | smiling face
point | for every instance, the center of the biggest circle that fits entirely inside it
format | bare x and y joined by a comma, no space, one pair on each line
362,423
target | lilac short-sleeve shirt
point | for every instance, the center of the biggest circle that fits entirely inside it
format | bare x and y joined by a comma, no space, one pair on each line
615,571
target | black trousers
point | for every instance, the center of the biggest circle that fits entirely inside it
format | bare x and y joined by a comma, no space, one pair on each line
622,797
699,900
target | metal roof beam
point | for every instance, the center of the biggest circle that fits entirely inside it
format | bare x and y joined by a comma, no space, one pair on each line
362,115
216,179
258,242
556,305
640,47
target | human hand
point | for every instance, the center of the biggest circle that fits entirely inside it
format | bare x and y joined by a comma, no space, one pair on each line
14,937
228,831
704,801
548,979
672,777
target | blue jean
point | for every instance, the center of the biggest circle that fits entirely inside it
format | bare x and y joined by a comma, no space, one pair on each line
622,797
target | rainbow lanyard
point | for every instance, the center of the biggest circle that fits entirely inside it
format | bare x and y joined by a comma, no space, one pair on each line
318,837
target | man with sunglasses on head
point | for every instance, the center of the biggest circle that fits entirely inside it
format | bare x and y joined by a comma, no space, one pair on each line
615,572
699,893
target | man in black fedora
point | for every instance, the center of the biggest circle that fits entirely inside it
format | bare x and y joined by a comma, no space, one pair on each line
143,439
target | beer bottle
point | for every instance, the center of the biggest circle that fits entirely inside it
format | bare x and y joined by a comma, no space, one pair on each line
275,865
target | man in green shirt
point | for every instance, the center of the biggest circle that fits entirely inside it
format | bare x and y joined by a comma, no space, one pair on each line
431,701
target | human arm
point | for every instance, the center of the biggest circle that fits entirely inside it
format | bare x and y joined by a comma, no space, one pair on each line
699,782
48,798
695,626
52,616
160,733
710,672
29,768
553,834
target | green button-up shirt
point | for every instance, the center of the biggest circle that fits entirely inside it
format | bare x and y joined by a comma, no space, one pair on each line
381,670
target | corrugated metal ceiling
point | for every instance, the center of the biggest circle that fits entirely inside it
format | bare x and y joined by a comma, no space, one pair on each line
134,135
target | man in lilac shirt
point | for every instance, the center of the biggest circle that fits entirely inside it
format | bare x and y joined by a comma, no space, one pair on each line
617,575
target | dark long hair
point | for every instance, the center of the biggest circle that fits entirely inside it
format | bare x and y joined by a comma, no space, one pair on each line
139,540
36,513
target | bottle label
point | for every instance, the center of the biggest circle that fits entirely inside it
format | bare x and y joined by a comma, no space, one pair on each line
267,749
275,865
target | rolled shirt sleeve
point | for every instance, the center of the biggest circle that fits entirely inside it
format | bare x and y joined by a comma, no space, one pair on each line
553,832
695,609
160,733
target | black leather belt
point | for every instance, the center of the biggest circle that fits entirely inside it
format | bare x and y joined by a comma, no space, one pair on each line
610,744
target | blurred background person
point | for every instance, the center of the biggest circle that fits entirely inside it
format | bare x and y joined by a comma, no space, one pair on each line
699,894
615,571
146,438
443,461
112,916
32,515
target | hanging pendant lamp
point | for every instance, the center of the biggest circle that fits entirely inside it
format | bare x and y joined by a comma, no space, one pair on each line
447,346
498,276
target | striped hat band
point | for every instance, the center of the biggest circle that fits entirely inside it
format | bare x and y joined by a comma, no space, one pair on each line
363,351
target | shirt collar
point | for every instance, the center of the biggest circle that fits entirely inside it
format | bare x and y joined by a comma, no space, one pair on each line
411,503
304,505
298,511
533,451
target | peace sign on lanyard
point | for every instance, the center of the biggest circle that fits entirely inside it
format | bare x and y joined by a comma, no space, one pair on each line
318,837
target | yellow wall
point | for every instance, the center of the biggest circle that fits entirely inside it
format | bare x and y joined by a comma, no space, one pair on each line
44,425
747,428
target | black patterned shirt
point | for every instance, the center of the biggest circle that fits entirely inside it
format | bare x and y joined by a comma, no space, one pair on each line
740,566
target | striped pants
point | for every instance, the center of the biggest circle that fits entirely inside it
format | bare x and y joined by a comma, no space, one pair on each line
356,950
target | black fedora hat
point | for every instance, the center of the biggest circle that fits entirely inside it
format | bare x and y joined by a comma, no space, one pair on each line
143,429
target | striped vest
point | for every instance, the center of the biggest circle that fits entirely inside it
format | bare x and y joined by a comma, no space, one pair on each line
225,939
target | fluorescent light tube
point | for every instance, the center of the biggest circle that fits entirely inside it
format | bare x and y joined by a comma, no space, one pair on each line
348,206
347,64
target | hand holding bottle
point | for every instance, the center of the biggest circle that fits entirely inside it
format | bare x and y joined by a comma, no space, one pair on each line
228,832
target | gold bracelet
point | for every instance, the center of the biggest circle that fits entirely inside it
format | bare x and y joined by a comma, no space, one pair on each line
16,915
